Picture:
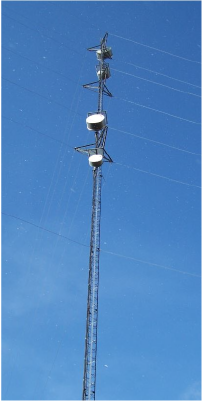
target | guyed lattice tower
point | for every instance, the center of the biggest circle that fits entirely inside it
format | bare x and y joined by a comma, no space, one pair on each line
96,122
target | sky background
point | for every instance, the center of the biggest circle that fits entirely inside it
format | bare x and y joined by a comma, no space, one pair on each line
149,295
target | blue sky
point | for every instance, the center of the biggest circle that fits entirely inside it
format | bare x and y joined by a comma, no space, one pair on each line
149,296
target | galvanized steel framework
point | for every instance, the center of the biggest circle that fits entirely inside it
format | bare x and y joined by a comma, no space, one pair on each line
97,148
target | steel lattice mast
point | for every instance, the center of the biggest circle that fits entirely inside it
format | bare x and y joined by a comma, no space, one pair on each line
97,122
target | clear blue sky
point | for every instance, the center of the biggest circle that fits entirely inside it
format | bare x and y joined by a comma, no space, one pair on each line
149,298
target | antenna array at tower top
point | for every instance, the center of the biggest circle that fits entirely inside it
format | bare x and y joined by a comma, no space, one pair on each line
97,121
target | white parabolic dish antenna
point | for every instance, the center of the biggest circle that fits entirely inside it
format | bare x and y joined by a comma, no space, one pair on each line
95,122
95,160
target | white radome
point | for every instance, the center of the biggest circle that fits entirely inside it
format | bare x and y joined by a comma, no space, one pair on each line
95,122
95,160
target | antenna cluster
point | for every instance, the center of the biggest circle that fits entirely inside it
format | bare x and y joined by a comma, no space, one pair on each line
97,121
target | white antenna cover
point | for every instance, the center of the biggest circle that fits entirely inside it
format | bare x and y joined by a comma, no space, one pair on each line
95,160
95,122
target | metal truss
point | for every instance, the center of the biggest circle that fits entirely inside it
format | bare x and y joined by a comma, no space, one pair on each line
91,149
89,379
96,88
